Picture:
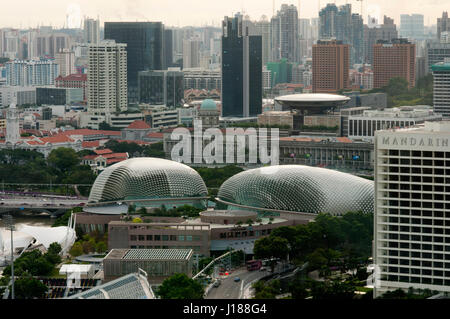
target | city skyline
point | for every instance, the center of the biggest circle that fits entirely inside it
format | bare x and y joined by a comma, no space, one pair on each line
70,13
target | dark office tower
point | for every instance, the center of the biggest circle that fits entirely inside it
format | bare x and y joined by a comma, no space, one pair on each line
145,48
161,87
168,49
241,70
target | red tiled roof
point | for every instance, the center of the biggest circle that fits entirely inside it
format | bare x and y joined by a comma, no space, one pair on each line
114,160
90,144
104,151
72,77
85,131
344,139
139,125
156,135
56,139
115,155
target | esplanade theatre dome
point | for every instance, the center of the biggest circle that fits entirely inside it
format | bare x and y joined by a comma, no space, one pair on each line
297,188
147,178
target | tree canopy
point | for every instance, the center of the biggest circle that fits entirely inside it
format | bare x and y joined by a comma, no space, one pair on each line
180,286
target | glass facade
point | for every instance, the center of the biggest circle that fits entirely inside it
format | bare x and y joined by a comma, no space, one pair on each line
145,48
241,71
298,188
161,88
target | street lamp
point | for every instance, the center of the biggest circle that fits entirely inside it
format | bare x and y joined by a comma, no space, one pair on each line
9,224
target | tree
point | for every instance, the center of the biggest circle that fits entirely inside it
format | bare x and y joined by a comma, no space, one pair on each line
64,159
76,250
180,286
101,247
52,254
29,288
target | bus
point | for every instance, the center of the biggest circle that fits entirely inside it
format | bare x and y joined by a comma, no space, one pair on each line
254,265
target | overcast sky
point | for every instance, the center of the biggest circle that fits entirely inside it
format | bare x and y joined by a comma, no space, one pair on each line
30,13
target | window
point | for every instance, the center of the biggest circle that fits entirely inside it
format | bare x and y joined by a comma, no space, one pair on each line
149,237
133,237
157,237
180,238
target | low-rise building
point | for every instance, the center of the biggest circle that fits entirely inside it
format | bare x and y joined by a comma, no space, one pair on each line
159,264
363,126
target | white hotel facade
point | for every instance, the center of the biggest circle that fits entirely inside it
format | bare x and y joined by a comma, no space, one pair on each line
412,207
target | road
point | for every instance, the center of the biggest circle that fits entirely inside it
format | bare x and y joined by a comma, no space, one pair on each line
229,289
40,202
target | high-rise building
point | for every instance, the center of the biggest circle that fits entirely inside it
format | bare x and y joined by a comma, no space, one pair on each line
66,61
411,242
168,49
263,29
443,24
441,88
412,26
191,54
241,70
437,52
285,33
145,48
107,78
73,81
342,25
330,66
31,73
386,31
12,124
161,87
91,31
49,44
394,59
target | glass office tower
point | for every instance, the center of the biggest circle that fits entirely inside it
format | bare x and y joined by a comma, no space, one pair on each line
241,70
145,48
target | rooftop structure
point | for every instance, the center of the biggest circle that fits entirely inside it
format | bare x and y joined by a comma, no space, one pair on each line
311,103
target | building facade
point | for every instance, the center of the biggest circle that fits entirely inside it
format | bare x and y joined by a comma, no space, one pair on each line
330,66
241,70
411,227
145,42
107,78
441,88
161,87
394,59
31,73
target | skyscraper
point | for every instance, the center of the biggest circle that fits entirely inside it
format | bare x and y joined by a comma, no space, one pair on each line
263,29
107,78
91,31
342,25
191,54
161,87
330,66
394,59
145,48
411,242
412,26
31,73
241,70
285,33
168,49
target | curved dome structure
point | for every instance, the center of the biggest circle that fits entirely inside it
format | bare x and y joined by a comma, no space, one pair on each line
298,188
147,178
312,103
208,105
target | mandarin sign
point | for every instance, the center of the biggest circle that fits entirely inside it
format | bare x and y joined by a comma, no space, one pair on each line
414,141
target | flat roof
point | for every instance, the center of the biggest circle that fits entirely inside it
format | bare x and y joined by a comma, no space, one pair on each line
150,254
228,213
313,97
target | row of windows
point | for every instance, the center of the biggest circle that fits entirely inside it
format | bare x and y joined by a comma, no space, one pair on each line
417,254
196,249
419,263
419,153
417,204
420,162
433,239
238,234
165,238
416,187
424,247
417,280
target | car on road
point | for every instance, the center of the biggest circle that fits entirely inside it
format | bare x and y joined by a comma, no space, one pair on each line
236,279
216,283
262,269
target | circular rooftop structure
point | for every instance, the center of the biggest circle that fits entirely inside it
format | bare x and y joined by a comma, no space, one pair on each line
312,103
147,179
208,105
297,189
